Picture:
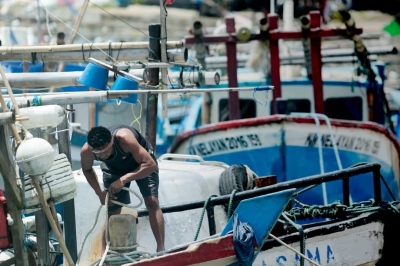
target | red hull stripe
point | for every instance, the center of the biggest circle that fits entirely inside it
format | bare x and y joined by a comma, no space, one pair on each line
207,251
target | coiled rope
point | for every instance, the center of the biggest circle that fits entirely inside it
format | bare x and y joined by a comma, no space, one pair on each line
336,209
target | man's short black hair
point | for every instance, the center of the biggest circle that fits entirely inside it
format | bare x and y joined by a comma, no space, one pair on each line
98,137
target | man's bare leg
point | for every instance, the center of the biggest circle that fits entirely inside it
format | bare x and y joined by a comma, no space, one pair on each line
156,220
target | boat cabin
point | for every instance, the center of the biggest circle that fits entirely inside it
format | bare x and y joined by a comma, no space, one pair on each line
345,98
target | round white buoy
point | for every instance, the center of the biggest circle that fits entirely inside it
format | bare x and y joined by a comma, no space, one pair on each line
35,156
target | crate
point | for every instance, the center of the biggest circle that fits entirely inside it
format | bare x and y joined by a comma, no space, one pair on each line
58,183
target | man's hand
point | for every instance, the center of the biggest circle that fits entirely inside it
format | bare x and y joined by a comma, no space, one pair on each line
102,196
115,186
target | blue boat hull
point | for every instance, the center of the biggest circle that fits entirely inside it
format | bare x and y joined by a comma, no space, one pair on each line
288,147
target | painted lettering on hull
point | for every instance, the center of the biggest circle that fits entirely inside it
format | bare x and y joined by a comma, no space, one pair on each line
354,143
294,260
225,144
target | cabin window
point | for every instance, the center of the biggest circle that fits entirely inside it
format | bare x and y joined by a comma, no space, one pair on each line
349,108
247,109
292,106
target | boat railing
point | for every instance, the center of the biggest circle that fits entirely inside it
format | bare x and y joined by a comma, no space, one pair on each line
190,157
335,149
343,175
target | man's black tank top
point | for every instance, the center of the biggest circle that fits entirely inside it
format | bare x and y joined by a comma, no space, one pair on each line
121,162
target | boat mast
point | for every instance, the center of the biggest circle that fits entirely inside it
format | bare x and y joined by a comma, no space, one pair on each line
163,43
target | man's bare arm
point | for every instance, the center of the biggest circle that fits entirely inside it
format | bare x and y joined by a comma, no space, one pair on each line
146,163
87,160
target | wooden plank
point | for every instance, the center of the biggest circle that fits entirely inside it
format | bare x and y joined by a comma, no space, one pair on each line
64,146
42,232
14,205
42,225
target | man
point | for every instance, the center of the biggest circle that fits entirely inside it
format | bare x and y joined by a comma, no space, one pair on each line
126,156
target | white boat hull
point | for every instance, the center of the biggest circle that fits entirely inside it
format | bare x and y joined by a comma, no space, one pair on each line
361,245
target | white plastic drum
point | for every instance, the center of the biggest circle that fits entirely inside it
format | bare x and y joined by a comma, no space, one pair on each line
42,116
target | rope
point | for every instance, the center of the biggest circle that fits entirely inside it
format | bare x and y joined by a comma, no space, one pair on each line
256,99
292,249
230,203
108,249
302,237
137,118
88,234
316,211
336,209
202,215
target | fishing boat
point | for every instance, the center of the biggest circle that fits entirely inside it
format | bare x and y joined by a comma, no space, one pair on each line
303,126
284,230
178,180
294,146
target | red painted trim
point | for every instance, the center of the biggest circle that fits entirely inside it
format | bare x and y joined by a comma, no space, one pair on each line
234,110
196,253
277,119
275,63
316,64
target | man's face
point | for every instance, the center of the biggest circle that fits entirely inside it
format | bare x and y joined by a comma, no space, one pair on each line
104,152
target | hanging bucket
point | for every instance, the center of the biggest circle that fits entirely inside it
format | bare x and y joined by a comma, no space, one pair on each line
94,76
123,83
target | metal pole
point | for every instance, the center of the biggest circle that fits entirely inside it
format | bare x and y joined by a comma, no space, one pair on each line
46,79
152,100
211,220
297,183
62,98
272,7
346,191
174,55
234,109
201,54
39,26
163,46
68,206
62,79
82,47
377,185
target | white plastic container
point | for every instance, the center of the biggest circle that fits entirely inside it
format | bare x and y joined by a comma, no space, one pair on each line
42,116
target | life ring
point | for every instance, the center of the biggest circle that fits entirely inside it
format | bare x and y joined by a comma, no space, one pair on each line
237,177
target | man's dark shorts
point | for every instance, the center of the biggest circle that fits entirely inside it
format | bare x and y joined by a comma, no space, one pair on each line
148,187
